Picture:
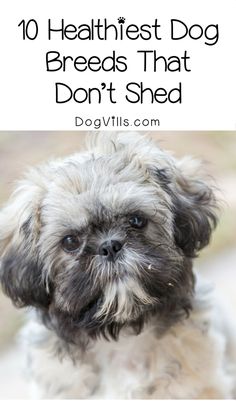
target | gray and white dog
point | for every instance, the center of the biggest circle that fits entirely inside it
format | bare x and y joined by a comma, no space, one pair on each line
101,246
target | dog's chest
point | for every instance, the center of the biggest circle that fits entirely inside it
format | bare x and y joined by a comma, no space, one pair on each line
187,362
125,367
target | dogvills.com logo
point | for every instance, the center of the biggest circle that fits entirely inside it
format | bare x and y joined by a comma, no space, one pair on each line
115,122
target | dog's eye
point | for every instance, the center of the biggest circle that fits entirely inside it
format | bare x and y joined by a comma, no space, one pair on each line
137,221
70,243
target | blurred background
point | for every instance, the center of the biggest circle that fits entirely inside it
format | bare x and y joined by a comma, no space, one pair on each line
20,150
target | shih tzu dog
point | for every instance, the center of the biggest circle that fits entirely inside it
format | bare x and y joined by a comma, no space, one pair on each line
101,245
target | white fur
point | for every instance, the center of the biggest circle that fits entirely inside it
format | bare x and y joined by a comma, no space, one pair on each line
124,291
189,361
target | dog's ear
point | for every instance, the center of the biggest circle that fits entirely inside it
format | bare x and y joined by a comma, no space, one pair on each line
21,279
20,269
194,206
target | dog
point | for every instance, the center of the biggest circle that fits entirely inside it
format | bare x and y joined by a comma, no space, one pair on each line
100,245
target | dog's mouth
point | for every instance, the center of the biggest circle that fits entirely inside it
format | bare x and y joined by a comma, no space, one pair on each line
90,307
86,316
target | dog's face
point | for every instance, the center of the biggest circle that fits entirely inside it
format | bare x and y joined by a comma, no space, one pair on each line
105,239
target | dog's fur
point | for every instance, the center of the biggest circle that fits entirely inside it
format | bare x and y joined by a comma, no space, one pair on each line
134,327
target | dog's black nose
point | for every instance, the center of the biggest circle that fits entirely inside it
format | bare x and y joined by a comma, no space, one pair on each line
110,249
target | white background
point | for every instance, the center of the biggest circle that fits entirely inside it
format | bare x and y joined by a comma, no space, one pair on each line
27,91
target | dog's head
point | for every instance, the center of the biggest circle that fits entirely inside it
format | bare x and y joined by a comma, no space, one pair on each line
106,238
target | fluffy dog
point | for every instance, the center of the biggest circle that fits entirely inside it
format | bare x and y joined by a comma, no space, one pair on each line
101,246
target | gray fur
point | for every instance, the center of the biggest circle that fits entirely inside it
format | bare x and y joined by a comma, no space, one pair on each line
92,195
